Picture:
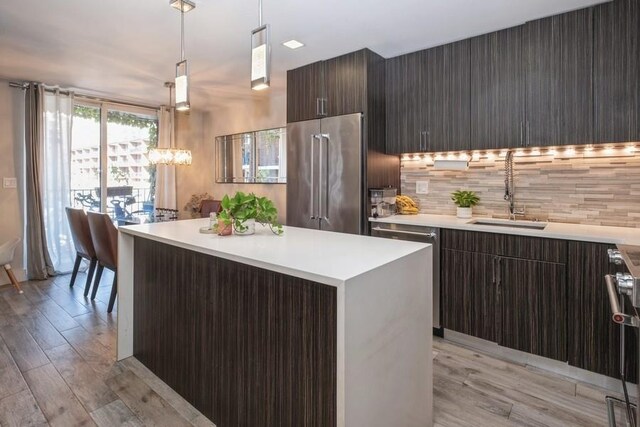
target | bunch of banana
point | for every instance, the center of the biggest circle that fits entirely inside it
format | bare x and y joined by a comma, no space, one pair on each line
406,205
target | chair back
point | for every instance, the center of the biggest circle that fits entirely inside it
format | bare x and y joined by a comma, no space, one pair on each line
79,225
208,206
7,250
105,239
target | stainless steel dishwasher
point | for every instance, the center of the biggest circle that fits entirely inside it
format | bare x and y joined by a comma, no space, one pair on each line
423,234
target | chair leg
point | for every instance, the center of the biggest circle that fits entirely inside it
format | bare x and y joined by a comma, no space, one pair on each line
96,282
114,290
92,269
76,267
12,278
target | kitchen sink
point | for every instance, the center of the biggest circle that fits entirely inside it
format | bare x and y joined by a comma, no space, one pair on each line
530,225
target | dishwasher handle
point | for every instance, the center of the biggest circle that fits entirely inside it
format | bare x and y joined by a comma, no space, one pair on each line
431,235
616,312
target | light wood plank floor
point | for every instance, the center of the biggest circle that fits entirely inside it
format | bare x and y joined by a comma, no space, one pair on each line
58,368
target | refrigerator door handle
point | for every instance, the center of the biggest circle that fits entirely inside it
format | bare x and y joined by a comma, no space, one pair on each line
324,181
312,207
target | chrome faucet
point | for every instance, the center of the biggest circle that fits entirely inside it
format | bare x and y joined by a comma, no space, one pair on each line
509,188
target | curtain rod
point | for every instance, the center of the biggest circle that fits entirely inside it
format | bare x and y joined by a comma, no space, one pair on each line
24,86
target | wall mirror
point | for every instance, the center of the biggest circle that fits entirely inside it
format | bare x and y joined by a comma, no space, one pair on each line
252,157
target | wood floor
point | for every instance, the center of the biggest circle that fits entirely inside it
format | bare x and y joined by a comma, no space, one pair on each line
57,367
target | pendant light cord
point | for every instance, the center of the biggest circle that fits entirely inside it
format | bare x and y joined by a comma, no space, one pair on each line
260,12
182,30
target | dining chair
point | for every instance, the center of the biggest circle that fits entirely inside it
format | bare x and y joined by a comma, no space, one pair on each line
207,206
7,251
105,241
79,225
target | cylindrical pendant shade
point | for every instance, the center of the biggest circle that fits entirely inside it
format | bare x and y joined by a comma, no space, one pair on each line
260,58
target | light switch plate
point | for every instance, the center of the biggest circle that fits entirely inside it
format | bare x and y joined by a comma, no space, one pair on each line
9,183
422,187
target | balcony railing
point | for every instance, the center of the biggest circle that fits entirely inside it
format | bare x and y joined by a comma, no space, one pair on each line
122,202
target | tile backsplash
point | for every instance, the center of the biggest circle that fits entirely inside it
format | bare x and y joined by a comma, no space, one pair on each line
581,190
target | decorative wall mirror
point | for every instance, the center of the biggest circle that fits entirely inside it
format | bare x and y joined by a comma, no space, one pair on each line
252,157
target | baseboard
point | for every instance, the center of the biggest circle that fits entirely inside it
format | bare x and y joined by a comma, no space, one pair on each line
21,275
550,365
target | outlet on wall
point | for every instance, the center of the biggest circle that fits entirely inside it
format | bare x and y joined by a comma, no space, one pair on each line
422,187
9,183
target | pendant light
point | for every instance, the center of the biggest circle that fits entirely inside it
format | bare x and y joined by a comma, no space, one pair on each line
182,68
170,156
260,54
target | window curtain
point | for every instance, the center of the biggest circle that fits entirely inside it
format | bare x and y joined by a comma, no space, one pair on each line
39,265
48,121
56,165
165,174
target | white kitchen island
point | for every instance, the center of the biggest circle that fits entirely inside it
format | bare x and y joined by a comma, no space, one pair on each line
307,328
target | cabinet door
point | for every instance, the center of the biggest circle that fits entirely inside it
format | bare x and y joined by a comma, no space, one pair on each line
305,87
404,109
594,340
532,297
497,90
446,97
559,106
616,71
345,78
467,286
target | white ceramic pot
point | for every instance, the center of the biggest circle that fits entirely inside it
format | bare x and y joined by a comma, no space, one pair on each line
464,213
251,228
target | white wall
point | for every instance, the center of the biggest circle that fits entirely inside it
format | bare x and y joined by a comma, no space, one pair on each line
11,165
197,131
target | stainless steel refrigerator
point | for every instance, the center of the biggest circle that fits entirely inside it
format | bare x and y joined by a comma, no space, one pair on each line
325,174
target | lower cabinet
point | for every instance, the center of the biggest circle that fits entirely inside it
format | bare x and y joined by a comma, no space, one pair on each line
594,340
518,303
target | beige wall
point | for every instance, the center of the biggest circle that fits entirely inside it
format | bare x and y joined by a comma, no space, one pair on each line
197,131
11,161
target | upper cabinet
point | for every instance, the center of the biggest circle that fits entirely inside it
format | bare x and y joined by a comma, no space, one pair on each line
328,88
498,90
616,71
559,54
428,100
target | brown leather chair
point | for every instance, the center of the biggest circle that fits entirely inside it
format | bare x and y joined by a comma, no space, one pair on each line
105,241
208,206
79,225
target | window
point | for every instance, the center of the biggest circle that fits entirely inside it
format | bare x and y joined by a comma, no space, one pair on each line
110,171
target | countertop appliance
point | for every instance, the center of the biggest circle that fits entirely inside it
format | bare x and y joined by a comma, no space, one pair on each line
417,233
325,174
383,201
623,290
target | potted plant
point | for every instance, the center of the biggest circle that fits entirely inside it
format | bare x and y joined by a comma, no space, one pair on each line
465,201
242,211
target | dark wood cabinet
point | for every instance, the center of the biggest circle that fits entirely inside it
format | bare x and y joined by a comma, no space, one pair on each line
345,80
616,71
305,92
559,53
498,82
469,303
594,339
496,287
404,104
531,298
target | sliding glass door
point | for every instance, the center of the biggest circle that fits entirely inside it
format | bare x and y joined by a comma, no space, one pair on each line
110,171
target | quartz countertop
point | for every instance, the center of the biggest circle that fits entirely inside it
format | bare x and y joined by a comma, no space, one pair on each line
554,230
320,256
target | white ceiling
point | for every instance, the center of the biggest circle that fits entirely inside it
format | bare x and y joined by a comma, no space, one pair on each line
128,48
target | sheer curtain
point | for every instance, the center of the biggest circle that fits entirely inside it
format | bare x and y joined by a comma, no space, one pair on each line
165,174
55,176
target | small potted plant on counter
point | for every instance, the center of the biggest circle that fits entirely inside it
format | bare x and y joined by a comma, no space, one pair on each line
465,201
242,211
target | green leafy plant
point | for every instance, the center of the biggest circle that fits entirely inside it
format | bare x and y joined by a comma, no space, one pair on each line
241,207
465,199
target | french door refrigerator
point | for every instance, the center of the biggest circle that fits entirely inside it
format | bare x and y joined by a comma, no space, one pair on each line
325,174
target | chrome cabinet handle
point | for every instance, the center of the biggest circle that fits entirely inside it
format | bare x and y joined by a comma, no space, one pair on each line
431,235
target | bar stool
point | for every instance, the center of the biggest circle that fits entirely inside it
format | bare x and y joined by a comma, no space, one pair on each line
79,225
105,241
7,250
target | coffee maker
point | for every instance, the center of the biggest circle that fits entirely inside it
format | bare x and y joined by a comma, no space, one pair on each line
383,201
